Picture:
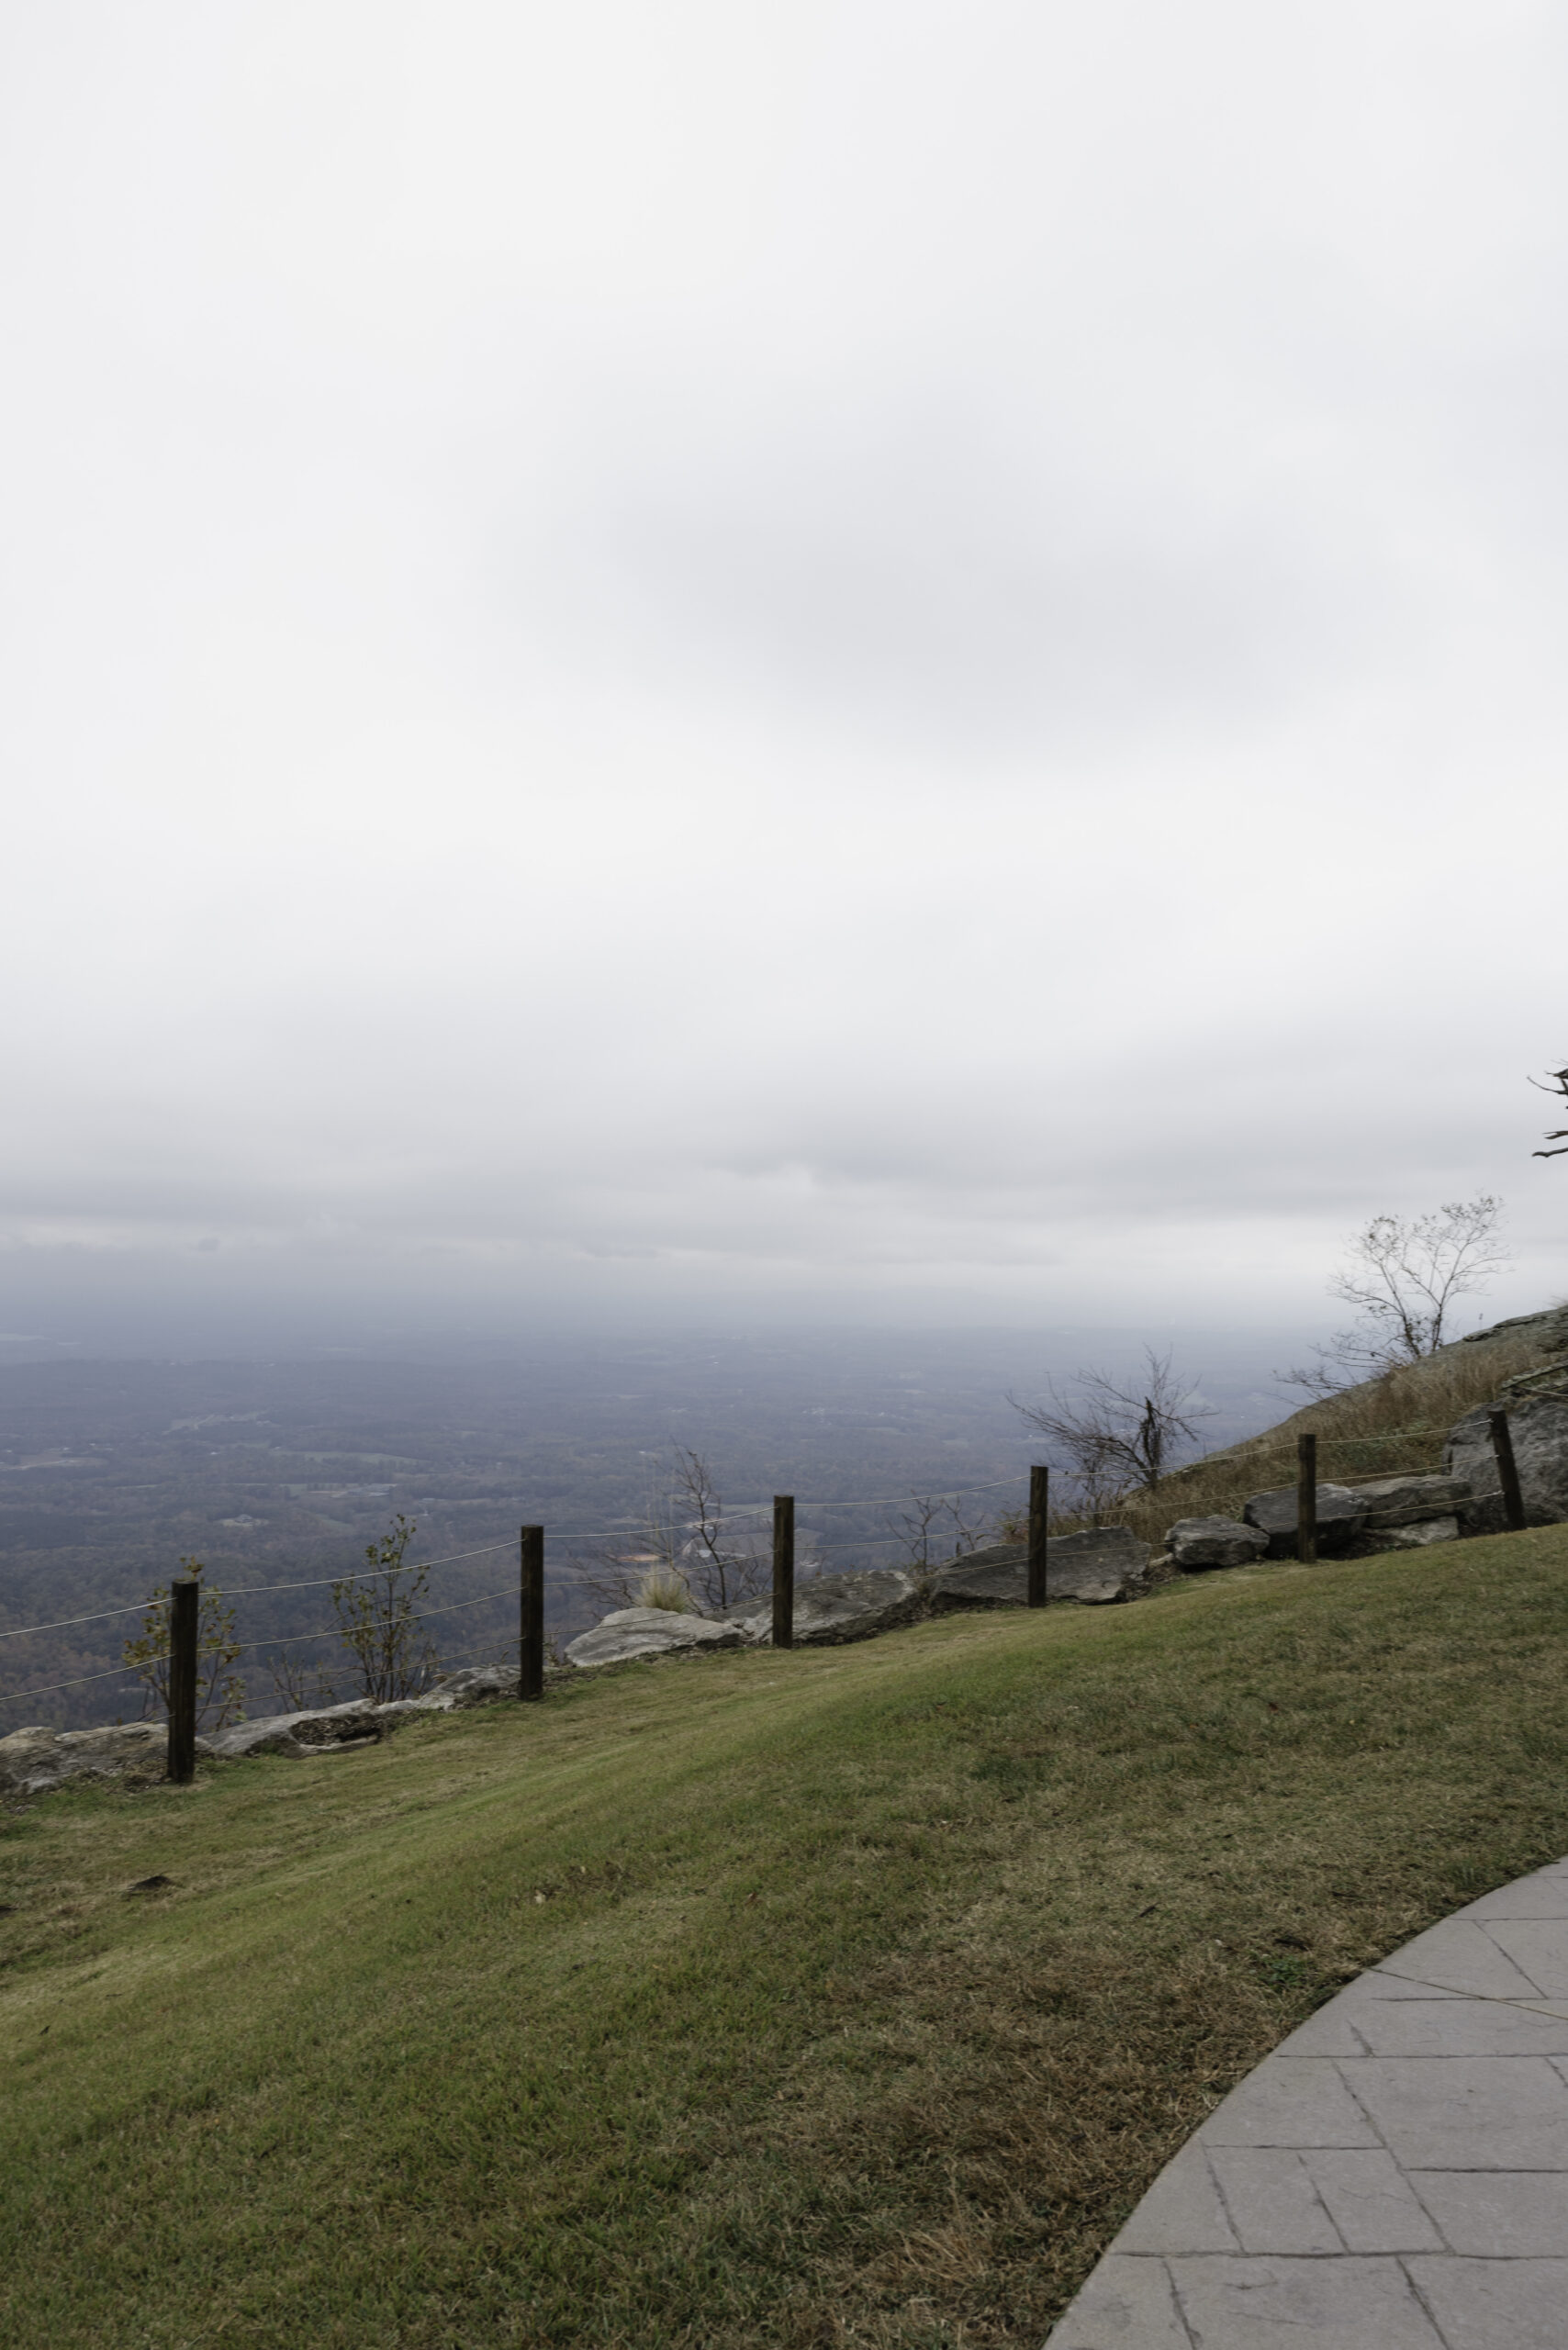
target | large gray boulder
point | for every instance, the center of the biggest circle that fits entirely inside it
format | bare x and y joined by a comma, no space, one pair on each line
33,1759
831,1610
1409,1501
1195,1542
1340,1517
1538,1427
1103,1563
648,1631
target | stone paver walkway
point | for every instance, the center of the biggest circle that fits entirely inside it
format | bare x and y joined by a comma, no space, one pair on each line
1394,2177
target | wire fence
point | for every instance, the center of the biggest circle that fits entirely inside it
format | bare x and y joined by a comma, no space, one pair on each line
266,1643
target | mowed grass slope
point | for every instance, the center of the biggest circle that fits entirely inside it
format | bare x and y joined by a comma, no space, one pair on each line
852,1995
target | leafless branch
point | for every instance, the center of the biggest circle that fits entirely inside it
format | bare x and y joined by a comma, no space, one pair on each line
1559,1085
679,1543
1402,1279
936,1527
1113,1440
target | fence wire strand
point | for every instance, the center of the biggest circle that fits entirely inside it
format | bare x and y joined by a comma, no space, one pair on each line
254,1649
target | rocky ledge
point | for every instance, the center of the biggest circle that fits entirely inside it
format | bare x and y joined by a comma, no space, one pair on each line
1107,1564
35,1760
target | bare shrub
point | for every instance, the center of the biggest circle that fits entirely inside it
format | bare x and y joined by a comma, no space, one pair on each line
681,1544
936,1527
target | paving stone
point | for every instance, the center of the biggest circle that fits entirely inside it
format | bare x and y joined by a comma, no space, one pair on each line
1368,2198
1465,2112
1332,2032
1273,2203
1508,2214
1460,1955
1539,1948
1182,2211
1347,2304
1375,1983
1459,2028
1128,2304
1493,2304
1290,2101
1545,1895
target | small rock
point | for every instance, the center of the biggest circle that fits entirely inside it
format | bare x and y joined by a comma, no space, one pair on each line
150,1885
1341,1516
1214,1542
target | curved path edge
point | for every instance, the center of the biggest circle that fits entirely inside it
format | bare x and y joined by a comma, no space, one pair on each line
1394,2177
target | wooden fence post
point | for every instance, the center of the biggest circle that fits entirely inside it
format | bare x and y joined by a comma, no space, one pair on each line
184,1601
1507,1469
783,1571
530,1648
1039,1503
1306,1500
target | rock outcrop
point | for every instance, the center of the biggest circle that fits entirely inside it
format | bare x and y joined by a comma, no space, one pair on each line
1101,1564
831,1610
1197,1542
1340,1517
314,1729
1537,1424
649,1631
34,1760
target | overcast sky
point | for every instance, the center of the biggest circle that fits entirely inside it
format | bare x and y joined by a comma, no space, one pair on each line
751,651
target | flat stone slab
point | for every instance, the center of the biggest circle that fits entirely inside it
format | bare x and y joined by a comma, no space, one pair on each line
831,1610
648,1631
1404,1501
1341,1516
1394,2177
1103,1562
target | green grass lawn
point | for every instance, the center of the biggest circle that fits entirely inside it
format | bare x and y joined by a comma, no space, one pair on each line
852,1995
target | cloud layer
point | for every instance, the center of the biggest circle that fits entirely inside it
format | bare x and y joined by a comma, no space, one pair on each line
735,652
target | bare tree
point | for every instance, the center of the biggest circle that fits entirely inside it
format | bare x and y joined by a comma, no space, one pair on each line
936,1527
1402,1279
681,1553
1112,1439
1559,1085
